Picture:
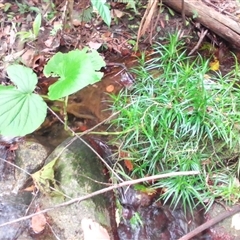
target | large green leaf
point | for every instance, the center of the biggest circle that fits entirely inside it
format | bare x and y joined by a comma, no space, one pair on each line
103,10
23,77
20,113
76,70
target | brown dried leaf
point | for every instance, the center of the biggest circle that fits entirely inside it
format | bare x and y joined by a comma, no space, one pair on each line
128,164
29,189
27,57
117,13
94,45
39,222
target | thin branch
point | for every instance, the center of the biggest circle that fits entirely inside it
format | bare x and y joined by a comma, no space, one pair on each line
16,166
202,35
211,222
115,186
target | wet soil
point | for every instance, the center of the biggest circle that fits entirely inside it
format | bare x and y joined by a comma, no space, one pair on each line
90,106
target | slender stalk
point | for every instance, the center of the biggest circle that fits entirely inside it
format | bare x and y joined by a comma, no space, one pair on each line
65,115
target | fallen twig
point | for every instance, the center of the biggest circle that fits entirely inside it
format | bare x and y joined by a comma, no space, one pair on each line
202,35
211,222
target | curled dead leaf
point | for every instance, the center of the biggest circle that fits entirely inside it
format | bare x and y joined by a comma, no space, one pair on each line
117,13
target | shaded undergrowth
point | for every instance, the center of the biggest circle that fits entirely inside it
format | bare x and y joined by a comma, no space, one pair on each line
182,117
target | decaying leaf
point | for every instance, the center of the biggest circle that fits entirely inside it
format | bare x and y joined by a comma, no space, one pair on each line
128,165
214,65
38,222
29,189
27,57
44,179
117,13
94,45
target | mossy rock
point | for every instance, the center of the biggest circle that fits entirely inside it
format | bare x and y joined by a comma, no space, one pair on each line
78,172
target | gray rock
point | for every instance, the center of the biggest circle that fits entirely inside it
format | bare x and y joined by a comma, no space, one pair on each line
78,172
226,229
13,201
30,157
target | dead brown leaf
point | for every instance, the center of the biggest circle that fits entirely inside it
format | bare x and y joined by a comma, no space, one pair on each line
30,189
38,222
27,57
94,45
115,13
128,164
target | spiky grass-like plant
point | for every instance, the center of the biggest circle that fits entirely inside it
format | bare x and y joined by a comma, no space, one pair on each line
179,118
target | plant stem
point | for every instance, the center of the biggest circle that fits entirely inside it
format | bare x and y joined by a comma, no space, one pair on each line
65,116
110,133
45,97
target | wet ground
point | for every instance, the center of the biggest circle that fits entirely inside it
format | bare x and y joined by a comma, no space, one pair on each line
90,106
142,216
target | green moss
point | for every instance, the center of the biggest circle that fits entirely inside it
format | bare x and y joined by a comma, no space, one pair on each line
79,169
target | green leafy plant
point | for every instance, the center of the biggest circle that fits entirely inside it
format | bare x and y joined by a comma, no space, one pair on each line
56,29
179,118
23,111
6,7
25,8
51,9
103,10
32,34
136,220
131,4
83,70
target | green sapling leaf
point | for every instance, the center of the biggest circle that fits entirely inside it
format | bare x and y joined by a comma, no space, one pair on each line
20,113
96,60
37,24
24,78
103,10
21,110
76,70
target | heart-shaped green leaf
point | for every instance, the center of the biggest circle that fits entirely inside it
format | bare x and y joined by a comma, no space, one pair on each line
20,113
76,70
24,78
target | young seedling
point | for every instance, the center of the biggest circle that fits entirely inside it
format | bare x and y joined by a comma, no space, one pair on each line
103,10
23,111
32,34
